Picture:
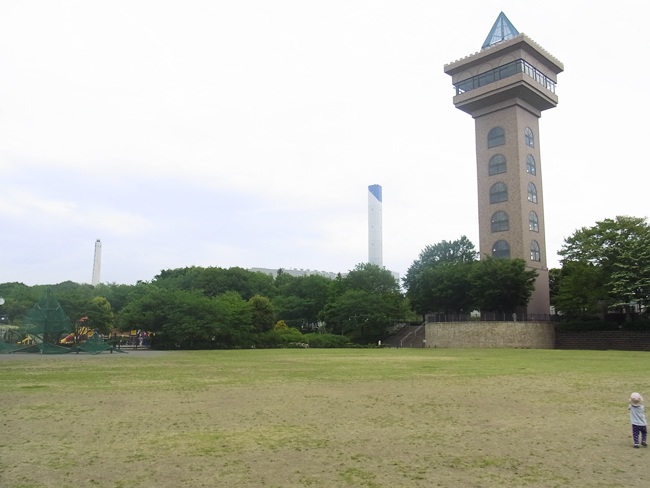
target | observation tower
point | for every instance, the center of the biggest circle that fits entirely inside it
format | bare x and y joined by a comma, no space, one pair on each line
505,87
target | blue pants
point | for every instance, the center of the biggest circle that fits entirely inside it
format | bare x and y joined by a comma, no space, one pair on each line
635,433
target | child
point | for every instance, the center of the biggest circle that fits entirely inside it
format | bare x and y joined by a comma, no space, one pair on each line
637,417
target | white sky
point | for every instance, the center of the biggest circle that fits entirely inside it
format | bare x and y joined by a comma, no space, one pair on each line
245,133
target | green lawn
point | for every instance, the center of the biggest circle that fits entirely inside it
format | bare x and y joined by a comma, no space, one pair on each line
322,418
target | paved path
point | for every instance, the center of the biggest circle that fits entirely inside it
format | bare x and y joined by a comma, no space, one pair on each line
131,353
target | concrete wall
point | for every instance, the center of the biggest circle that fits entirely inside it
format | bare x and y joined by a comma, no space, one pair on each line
525,335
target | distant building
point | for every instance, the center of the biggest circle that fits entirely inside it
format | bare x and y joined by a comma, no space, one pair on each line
505,87
97,264
296,272
307,272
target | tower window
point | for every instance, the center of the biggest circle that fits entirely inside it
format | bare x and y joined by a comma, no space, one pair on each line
499,193
496,137
501,249
531,166
534,251
500,222
533,222
497,165
530,138
532,193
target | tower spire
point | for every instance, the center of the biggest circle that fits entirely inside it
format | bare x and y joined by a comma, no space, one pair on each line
502,30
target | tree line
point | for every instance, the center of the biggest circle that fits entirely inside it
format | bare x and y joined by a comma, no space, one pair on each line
604,266
213,307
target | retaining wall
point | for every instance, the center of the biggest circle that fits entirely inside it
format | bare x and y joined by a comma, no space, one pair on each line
600,340
522,335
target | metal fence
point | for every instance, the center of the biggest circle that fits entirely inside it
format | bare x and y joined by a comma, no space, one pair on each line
491,317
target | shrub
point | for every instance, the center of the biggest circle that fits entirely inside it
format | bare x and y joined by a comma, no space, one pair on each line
278,338
281,325
325,340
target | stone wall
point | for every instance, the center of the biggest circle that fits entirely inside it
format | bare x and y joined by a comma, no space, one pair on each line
600,340
525,335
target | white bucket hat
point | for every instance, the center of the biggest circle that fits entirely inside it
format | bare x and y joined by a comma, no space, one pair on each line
636,399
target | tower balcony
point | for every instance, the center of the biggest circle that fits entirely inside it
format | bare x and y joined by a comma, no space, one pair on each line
505,71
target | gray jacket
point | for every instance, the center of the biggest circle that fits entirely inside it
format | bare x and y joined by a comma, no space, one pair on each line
637,414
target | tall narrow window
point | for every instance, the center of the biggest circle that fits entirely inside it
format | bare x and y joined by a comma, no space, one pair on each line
498,193
534,251
496,137
530,138
533,222
532,193
497,164
500,222
501,249
531,167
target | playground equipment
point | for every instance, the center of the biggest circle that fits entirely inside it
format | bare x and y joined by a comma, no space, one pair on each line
46,323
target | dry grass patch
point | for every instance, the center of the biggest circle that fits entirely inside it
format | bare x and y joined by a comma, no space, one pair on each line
306,418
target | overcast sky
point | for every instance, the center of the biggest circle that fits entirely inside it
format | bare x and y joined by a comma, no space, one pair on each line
245,133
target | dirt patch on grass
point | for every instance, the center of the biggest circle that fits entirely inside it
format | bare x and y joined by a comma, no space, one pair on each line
447,429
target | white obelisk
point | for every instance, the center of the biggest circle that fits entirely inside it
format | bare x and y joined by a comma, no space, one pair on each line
98,262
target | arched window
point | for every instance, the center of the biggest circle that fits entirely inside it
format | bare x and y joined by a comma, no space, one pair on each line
531,167
534,251
500,222
501,249
532,193
496,137
497,165
533,222
530,138
498,193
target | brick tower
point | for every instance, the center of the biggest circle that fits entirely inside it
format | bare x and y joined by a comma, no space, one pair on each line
505,87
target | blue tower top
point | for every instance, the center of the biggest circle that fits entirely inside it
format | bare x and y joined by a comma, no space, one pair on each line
376,191
501,31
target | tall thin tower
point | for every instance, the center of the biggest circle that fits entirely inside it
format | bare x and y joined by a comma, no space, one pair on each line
505,87
375,252
97,264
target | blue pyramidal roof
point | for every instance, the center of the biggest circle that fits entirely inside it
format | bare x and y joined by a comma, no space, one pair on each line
501,30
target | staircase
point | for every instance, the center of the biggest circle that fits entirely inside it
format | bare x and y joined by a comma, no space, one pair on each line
408,336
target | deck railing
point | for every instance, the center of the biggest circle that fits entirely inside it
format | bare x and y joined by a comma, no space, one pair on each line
496,74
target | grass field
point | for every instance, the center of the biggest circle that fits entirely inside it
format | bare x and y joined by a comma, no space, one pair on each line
322,418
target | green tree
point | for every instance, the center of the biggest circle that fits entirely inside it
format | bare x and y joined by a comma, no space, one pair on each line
371,278
364,303
100,315
360,314
445,288
215,281
74,300
620,247
580,290
422,281
300,299
235,320
117,295
501,285
262,313
180,318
